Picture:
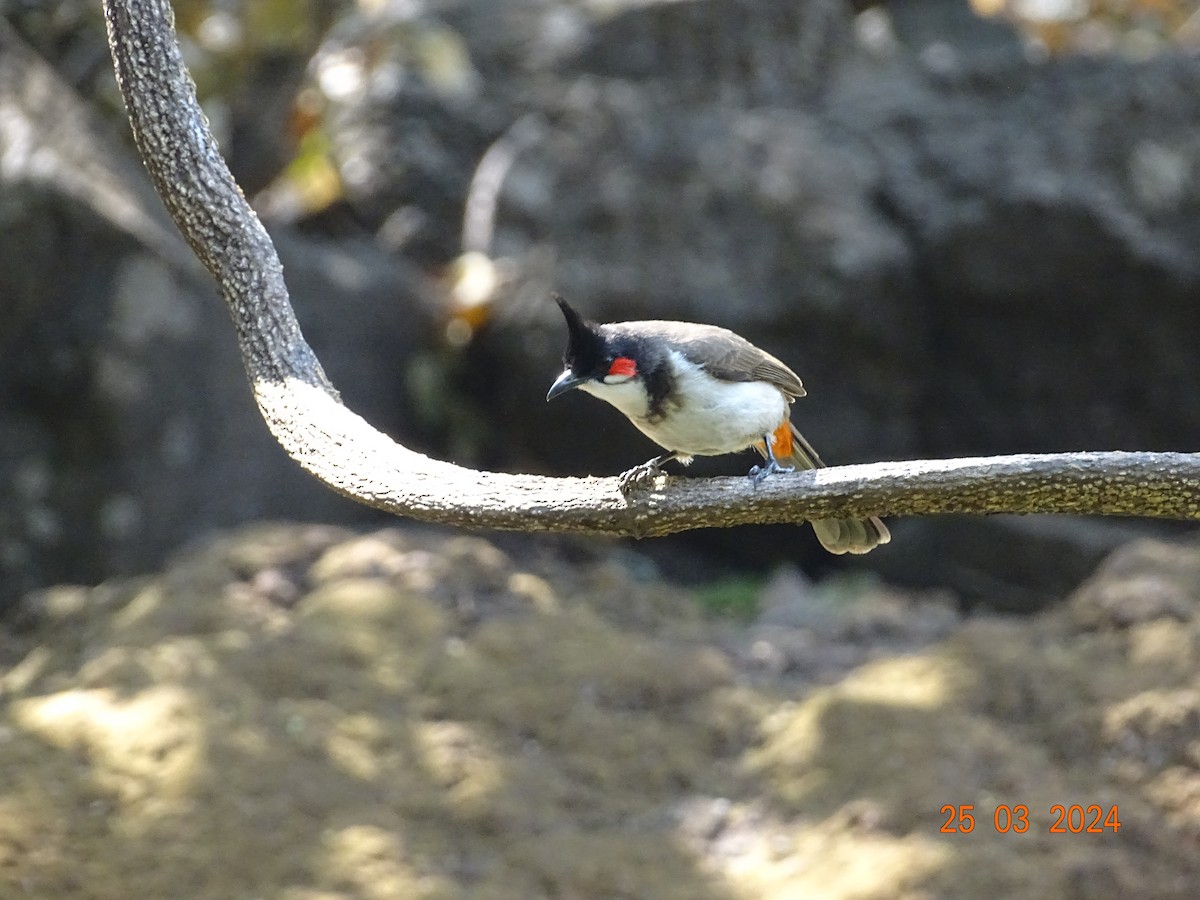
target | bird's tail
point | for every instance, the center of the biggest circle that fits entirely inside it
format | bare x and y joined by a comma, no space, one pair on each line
836,535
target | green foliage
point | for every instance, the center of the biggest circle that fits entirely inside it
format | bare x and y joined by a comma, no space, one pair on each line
731,598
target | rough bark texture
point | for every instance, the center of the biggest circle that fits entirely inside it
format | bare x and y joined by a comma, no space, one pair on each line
304,413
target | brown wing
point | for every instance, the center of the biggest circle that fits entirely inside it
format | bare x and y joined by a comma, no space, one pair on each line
726,355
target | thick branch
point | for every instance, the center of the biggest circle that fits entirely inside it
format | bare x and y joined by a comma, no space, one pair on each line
304,413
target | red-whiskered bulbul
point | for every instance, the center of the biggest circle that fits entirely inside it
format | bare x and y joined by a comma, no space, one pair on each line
700,390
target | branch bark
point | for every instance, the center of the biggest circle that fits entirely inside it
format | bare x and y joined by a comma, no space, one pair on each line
305,414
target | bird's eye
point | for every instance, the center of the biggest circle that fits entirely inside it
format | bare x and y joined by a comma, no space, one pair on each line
622,367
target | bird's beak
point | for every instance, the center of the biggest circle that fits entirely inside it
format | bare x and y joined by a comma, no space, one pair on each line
567,381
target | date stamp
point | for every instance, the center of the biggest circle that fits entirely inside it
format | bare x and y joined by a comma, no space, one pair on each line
961,818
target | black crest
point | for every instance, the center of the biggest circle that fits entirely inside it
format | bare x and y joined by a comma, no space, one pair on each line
585,347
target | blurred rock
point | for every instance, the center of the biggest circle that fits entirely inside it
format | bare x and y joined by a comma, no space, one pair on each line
961,250
817,633
1141,582
127,423
131,425
1009,563
986,257
360,737
744,52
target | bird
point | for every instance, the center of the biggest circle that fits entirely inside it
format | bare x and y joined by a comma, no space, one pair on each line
699,390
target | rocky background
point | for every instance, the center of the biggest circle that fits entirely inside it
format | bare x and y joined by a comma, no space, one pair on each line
970,233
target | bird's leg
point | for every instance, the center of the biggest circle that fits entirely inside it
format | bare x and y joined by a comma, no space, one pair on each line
760,473
640,476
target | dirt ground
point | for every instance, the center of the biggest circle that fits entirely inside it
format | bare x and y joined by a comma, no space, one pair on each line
301,713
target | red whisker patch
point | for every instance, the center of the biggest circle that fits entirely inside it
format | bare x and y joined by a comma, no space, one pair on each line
623,366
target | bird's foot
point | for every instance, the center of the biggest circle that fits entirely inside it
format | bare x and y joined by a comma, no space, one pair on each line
759,474
638,477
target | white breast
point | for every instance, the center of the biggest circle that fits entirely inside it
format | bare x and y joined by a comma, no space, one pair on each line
708,416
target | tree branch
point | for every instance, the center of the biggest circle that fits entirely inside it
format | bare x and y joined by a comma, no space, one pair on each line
306,416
